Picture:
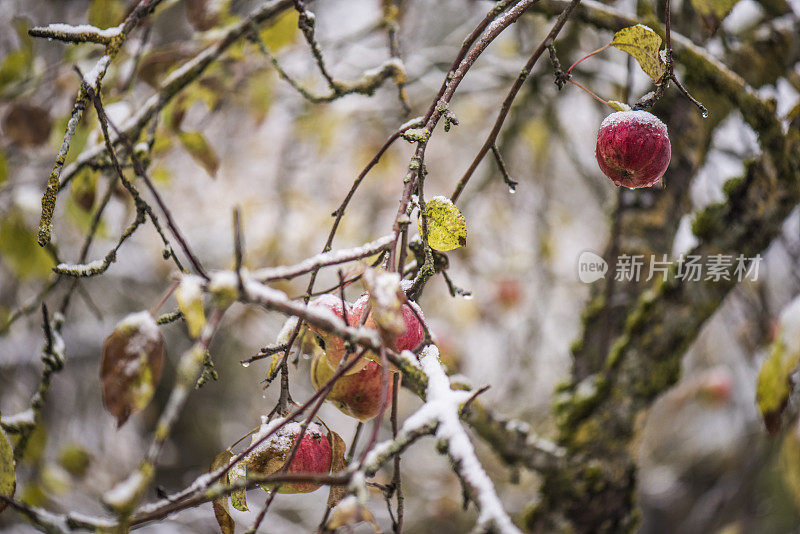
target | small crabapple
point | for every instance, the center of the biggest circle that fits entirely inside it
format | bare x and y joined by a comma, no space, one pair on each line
359,394
633,148
314,455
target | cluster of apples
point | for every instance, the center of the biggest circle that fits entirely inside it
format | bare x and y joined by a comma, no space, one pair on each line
358,392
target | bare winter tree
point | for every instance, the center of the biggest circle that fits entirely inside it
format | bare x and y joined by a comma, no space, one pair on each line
240,227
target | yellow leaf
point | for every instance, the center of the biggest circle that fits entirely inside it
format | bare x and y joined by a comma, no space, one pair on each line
202,152
774,384
282,33
447,228
190,302
643,44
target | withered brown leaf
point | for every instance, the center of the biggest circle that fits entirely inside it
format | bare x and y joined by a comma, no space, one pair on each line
133,355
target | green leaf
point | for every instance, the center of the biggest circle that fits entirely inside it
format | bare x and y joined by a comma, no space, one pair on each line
713,12
190,302
220,506
447,228
8,481
643,44
202,152
19,249
133,355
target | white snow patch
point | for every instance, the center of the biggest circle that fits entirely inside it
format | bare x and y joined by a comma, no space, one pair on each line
67,29
639,116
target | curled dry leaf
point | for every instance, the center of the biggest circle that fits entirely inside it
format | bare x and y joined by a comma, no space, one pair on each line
220,506
338,463
349,513
133,355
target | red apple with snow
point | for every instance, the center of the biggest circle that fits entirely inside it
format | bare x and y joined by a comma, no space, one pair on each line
358,394
413,334
333,344
633,148
314,455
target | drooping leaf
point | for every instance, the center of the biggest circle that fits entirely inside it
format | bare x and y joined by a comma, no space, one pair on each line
713,12
338,463
133,355
220,506
774,379
203,153
643,44
190,302
8,480
350,512
19,250
447,228
26,124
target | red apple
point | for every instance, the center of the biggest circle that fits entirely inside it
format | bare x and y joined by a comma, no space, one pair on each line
334,345
633,148
413,334
359,394
314,455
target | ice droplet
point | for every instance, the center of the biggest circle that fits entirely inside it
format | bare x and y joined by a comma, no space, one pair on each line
468,296
512,189
245,364
705,114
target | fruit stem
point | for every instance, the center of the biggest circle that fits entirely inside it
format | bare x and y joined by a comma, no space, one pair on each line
587,56
591,93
